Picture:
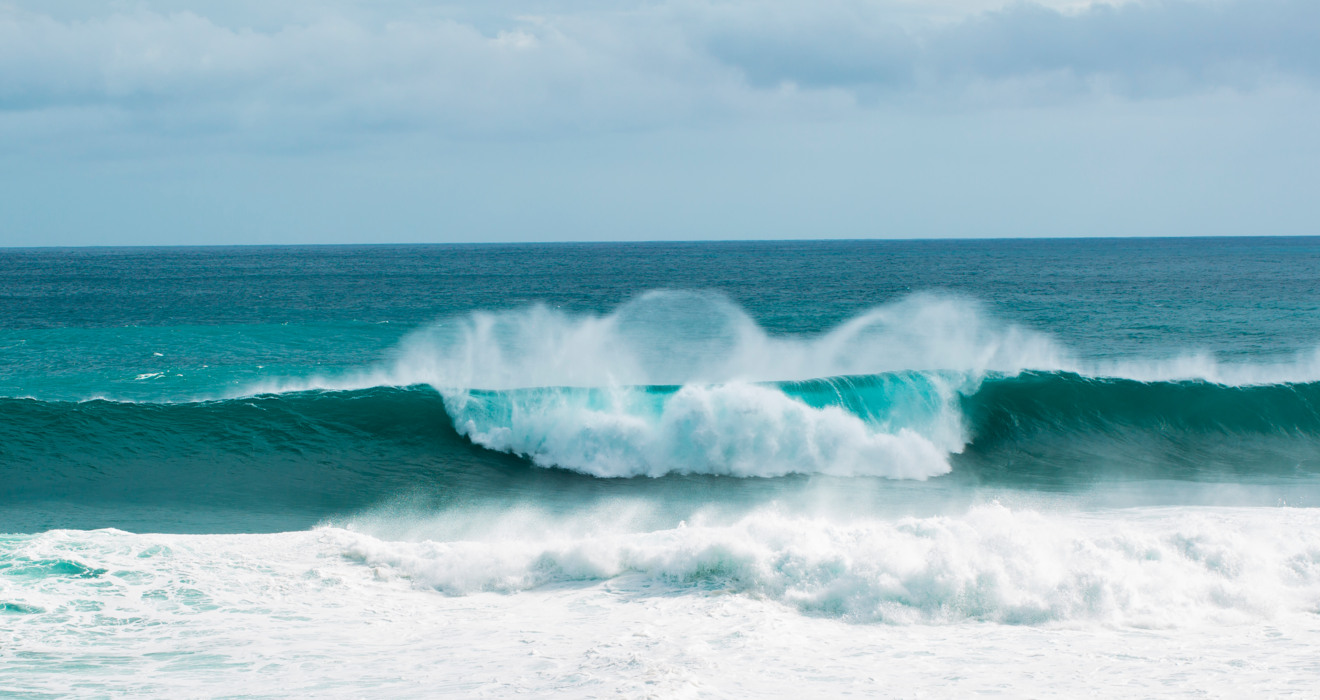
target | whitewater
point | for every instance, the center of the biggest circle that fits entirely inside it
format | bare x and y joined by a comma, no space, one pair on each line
984,474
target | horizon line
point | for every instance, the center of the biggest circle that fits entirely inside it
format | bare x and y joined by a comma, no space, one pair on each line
660,241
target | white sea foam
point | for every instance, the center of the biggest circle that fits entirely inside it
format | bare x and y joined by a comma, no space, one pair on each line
769,605
1154,569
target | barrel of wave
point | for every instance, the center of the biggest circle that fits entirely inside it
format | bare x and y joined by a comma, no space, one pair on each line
899,425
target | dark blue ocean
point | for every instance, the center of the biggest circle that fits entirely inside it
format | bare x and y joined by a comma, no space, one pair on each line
211,458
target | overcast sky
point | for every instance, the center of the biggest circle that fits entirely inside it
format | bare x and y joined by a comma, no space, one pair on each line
338,121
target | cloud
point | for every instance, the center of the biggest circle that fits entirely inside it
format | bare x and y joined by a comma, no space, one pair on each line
591,67
330,72
1150,48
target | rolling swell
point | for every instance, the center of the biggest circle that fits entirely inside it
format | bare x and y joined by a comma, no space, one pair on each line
315,453
295,457
1059,425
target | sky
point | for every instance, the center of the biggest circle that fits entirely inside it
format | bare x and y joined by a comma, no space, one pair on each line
186,122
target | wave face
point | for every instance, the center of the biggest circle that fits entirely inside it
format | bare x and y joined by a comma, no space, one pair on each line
1071,425
285,456
337,450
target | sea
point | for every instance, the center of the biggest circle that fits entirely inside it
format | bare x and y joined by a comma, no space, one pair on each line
883,469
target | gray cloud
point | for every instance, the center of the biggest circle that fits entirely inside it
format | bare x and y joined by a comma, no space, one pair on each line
586,67
1140,47
1150,47
828,44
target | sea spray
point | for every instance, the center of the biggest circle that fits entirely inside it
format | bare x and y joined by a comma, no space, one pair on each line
677,338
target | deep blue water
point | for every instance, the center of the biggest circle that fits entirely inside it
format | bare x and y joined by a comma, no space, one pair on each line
267,388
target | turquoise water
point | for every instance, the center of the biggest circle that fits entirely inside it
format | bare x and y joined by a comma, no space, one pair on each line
363,469
307,383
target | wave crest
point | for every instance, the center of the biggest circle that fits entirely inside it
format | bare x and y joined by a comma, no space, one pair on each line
702,338
677,338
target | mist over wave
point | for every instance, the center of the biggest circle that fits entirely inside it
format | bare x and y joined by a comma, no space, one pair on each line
682,337
685,382
678,337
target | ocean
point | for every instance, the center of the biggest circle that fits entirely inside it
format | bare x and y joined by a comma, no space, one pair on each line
892,469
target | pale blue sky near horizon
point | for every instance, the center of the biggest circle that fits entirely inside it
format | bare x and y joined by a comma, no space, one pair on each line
178,122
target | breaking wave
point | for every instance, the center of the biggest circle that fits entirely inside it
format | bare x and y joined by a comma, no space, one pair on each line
685,383
1162,569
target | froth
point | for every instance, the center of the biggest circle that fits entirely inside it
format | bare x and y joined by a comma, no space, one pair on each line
1162,569
704,612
